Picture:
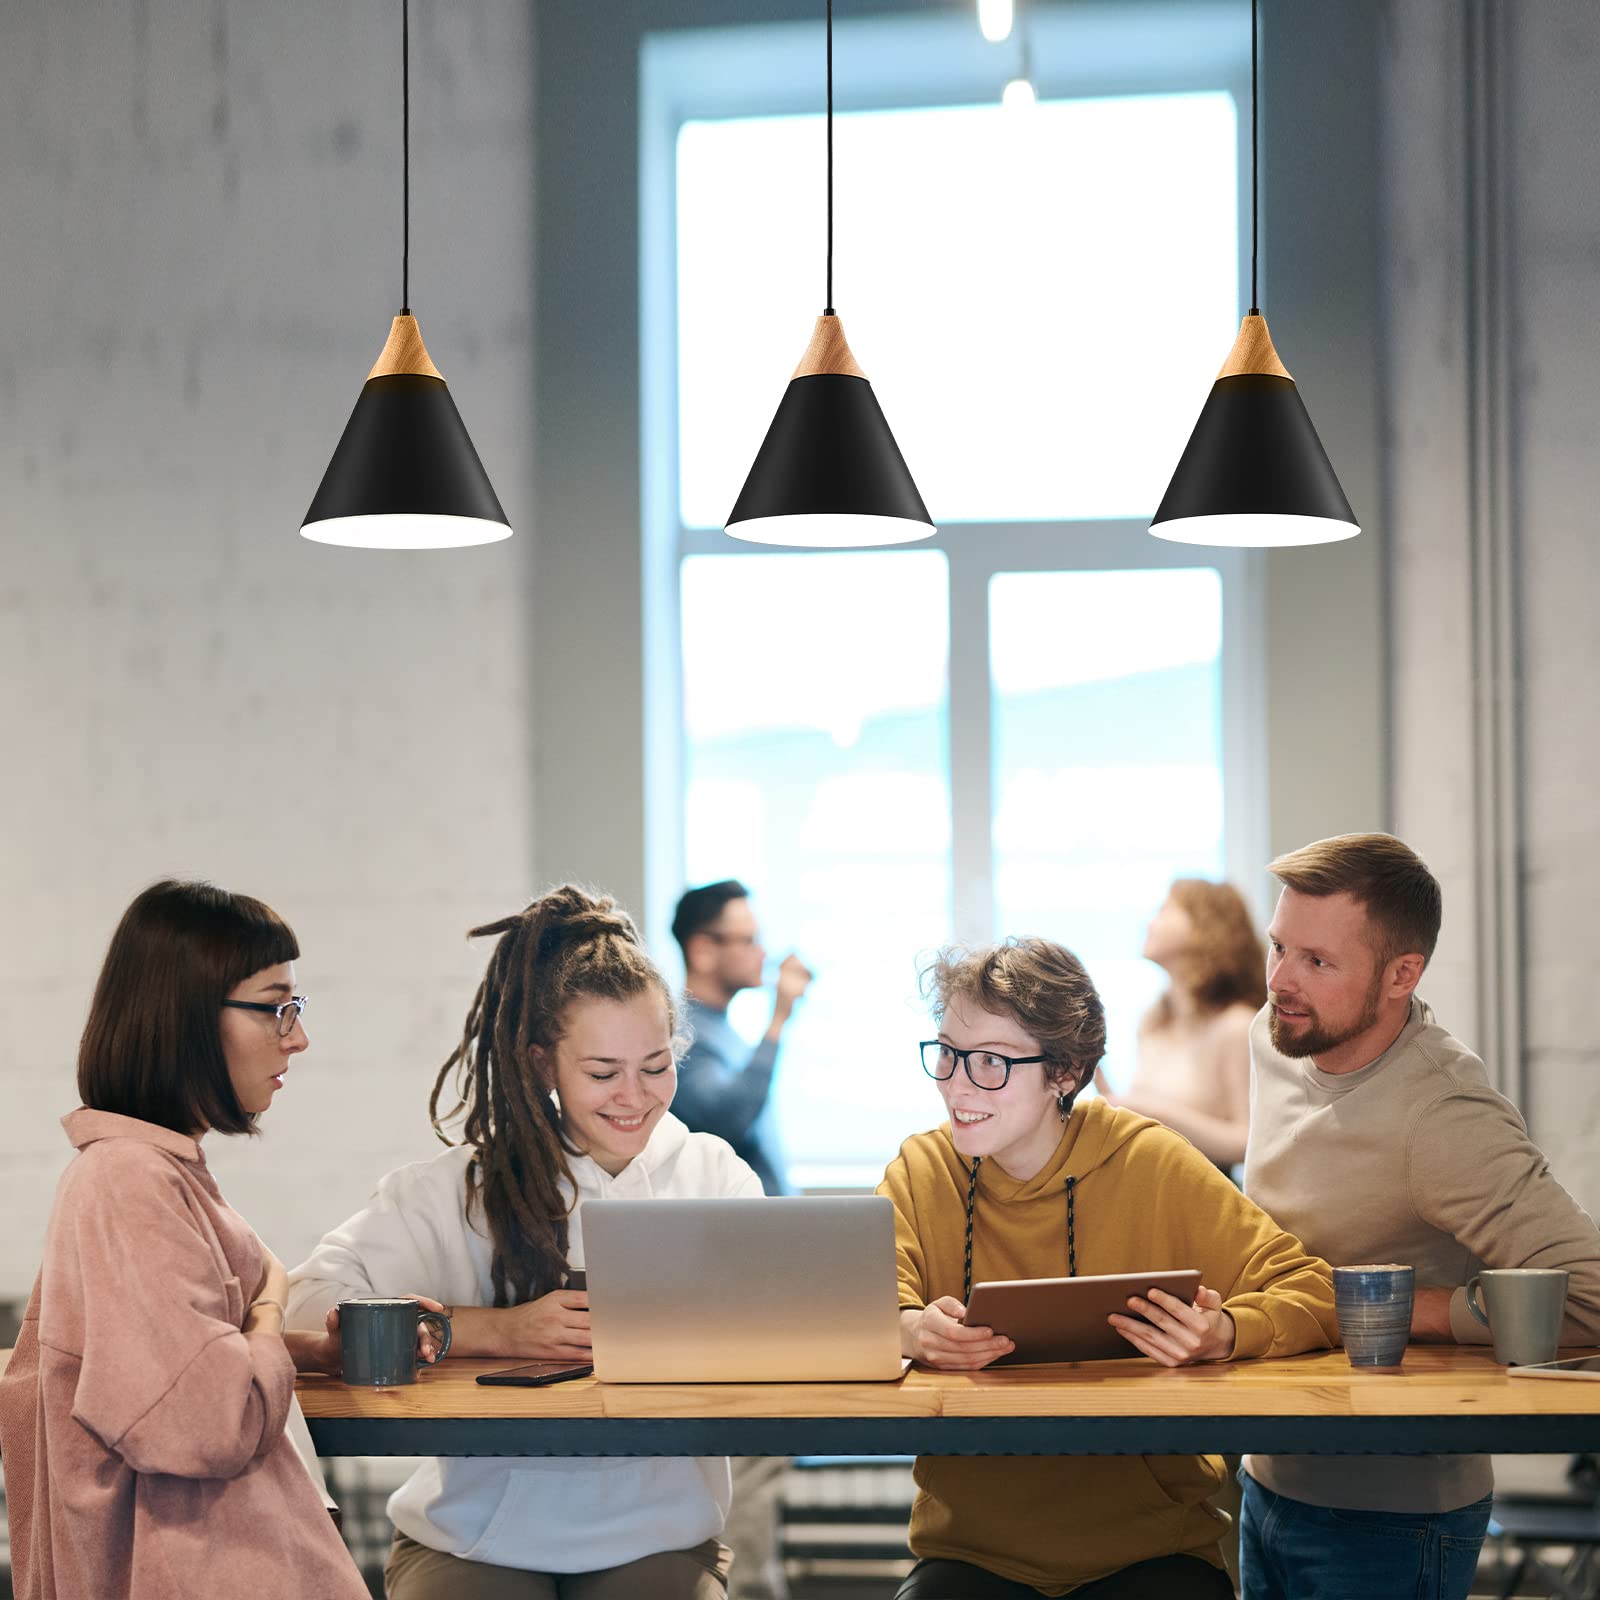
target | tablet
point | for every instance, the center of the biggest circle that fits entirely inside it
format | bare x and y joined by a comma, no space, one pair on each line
1575,1367
1064,1319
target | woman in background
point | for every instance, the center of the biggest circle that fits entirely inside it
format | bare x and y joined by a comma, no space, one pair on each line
564,1076
1193,1067
142,1416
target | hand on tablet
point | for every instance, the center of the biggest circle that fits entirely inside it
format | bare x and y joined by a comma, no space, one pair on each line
1175,1334
937,1337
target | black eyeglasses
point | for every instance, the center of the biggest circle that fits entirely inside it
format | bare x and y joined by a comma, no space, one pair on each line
987,1069
287,1014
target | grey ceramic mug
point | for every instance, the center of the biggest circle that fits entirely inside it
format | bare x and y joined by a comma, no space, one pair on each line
378,1338
1525,1307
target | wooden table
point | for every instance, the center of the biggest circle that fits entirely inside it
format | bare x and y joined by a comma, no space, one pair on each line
1444,1399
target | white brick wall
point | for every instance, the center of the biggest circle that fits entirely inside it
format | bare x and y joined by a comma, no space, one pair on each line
199,258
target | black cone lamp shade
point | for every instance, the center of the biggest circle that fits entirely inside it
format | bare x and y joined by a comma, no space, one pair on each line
1254,472
405,475
829,474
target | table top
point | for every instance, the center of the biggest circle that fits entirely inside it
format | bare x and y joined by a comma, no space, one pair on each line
1443,1398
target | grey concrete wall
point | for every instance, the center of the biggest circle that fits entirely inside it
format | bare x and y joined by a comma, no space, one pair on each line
199,253
1548,59
1556,329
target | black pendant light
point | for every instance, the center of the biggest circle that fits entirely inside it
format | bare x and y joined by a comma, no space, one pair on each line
405,475
1254,472
829,473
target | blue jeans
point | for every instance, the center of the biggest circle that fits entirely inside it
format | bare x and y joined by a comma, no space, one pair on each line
1292,1551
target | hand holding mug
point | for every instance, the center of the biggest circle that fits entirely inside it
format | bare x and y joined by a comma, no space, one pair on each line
382,1337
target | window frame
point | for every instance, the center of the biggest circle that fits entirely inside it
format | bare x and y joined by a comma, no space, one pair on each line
902,62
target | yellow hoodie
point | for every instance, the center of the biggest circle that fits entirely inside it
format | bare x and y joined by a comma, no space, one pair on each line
1144,1199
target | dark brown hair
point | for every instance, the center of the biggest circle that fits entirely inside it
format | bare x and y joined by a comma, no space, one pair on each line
1227,963
152,1047
1042,985
566,944
700,908
1388,879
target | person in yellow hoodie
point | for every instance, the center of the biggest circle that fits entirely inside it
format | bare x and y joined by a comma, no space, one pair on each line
1019,1183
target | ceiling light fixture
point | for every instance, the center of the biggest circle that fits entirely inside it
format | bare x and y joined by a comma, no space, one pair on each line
404,475
994,19
829,474
1254,472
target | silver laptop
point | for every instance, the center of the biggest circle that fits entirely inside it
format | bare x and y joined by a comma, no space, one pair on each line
742,1291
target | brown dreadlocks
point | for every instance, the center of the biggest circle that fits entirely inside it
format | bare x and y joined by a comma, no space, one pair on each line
566,944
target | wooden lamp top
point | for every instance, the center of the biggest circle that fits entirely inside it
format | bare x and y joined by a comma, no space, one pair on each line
828,352
1252,352
405,352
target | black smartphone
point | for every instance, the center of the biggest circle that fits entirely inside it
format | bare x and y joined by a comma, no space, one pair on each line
536,1374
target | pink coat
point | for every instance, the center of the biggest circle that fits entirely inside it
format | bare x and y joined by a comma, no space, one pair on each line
141,1431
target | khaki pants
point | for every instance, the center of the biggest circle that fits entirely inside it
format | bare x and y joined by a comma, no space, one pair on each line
414,1572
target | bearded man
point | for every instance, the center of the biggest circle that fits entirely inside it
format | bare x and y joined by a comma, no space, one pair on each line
1375,1137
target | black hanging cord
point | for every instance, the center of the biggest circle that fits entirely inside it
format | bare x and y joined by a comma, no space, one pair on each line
972,1200
405,157
828,306
1255,164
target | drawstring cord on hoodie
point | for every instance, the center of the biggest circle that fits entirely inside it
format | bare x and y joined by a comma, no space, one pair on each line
972,1199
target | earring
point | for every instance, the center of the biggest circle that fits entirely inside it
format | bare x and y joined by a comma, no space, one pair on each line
1063,1104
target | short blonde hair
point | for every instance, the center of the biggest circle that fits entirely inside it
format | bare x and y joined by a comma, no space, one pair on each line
1041,985
1389,879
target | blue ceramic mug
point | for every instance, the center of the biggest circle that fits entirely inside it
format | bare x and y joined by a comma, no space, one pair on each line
1374,1306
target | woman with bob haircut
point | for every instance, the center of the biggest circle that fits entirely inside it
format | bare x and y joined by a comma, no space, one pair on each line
1193,1066
1023,1183
563,1078
142,1416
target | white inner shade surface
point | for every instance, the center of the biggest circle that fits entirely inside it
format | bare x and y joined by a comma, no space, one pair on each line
405,532
1254,532
1007,282
829,532
1107,765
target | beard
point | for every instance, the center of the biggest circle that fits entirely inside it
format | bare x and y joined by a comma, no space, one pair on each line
1316,1039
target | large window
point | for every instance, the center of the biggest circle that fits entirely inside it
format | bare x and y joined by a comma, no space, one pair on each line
1034,722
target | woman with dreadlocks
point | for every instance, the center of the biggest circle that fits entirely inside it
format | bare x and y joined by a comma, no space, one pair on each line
1023,1183
562,1081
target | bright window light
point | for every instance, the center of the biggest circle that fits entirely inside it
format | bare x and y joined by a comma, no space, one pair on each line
1085,355
816,726
1107,765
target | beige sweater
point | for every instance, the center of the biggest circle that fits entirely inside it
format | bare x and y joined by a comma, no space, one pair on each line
1413,1158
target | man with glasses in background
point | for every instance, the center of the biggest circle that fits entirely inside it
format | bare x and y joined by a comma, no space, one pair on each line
723,1088
723,1084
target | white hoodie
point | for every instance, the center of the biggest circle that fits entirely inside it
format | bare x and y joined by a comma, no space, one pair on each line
538,1513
